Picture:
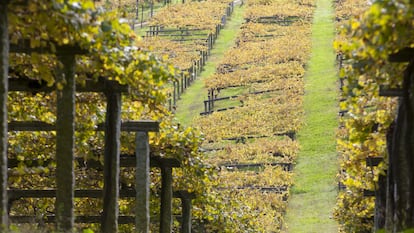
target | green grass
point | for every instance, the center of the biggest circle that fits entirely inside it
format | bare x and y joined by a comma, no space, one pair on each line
191,103
313,195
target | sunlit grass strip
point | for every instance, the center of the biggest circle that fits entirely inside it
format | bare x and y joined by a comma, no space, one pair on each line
313,196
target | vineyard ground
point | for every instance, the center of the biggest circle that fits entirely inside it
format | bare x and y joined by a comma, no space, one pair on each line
314,193
313,196
191,102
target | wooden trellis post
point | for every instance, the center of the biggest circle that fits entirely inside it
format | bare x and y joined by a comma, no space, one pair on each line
4,67
65,144
399,211
175,94
166,165
111,161
65,129
186,214
142,183
166,199
142,177
152,9
183,84
141,161
186,198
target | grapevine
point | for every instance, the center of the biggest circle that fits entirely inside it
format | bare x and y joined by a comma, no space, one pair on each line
369,115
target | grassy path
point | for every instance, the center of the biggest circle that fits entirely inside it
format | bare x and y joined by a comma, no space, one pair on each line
313,196
191,102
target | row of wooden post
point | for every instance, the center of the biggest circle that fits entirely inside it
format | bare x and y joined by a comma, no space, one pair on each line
394,190
112,128
185,80
65,131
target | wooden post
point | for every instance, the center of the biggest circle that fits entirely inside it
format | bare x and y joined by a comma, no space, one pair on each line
182,84
341,83
111,162
166,199
399,213
152,9
178,88
142,15
209,101
137,10
380,203
210,42
136,18
186,214
213,96
175,94
205,106
142,183
186,198
202,58
65,144
4,68
193,71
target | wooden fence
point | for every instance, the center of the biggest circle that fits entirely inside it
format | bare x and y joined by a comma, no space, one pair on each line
186,35
64,127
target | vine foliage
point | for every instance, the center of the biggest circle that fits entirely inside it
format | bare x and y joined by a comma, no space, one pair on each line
366,44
